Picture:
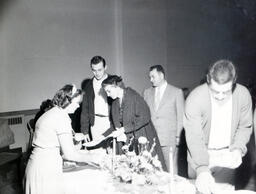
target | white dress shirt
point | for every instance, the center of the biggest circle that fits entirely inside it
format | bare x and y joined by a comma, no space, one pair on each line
220,133
101,123
159,92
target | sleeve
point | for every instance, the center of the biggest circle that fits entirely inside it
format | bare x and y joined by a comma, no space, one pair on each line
141,114
194,135
179,111
84,119
244,129
64,126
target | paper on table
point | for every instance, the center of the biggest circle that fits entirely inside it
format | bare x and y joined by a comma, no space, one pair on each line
94,142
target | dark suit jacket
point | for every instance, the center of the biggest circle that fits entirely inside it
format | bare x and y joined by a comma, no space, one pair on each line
87,114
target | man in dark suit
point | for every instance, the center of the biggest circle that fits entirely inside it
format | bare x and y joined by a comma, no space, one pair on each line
95,106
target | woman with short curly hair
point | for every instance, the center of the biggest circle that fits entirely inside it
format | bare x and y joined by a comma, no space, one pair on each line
53,136
131,116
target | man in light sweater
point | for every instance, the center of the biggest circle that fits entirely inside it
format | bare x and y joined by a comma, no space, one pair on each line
218,125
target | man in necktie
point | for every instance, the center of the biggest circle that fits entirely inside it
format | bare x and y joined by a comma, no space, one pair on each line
157,97
166,103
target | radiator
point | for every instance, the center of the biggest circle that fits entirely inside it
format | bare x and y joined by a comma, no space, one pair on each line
17,124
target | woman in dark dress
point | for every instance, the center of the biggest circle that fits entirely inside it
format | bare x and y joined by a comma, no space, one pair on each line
130,116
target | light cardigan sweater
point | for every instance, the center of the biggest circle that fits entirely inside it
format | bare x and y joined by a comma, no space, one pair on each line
197,124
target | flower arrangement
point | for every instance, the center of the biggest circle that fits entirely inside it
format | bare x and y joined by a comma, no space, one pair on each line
139,169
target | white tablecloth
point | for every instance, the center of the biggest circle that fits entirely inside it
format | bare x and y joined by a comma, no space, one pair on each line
87,180
81,180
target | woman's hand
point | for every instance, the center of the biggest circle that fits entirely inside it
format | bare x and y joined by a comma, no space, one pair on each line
79,137
86,138
118,132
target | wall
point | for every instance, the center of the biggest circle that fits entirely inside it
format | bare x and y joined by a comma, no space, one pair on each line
144,39
205,31
45,44
49,43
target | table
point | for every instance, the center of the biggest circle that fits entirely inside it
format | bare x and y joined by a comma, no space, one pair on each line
87,179
81,178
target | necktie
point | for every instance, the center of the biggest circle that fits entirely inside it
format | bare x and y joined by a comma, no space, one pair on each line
157,97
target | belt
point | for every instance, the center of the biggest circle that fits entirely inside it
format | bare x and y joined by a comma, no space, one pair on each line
223,148
100,115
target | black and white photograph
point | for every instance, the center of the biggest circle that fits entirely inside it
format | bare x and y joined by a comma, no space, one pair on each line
127,96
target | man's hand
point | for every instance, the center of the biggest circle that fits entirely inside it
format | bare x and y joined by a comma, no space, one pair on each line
236,159
87,138
205,183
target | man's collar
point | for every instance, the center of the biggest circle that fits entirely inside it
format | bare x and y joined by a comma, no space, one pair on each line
162,85
103,78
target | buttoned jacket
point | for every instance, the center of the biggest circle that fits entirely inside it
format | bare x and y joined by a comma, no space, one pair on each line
167,119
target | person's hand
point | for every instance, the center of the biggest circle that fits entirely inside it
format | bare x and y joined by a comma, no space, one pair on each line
205,183
118,132
79,137
121,138
78,145
236,159
86,138
95,141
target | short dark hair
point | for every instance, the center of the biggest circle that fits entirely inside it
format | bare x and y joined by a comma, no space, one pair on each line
46,105
158,68
64,96
113,80
222,71
97,59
